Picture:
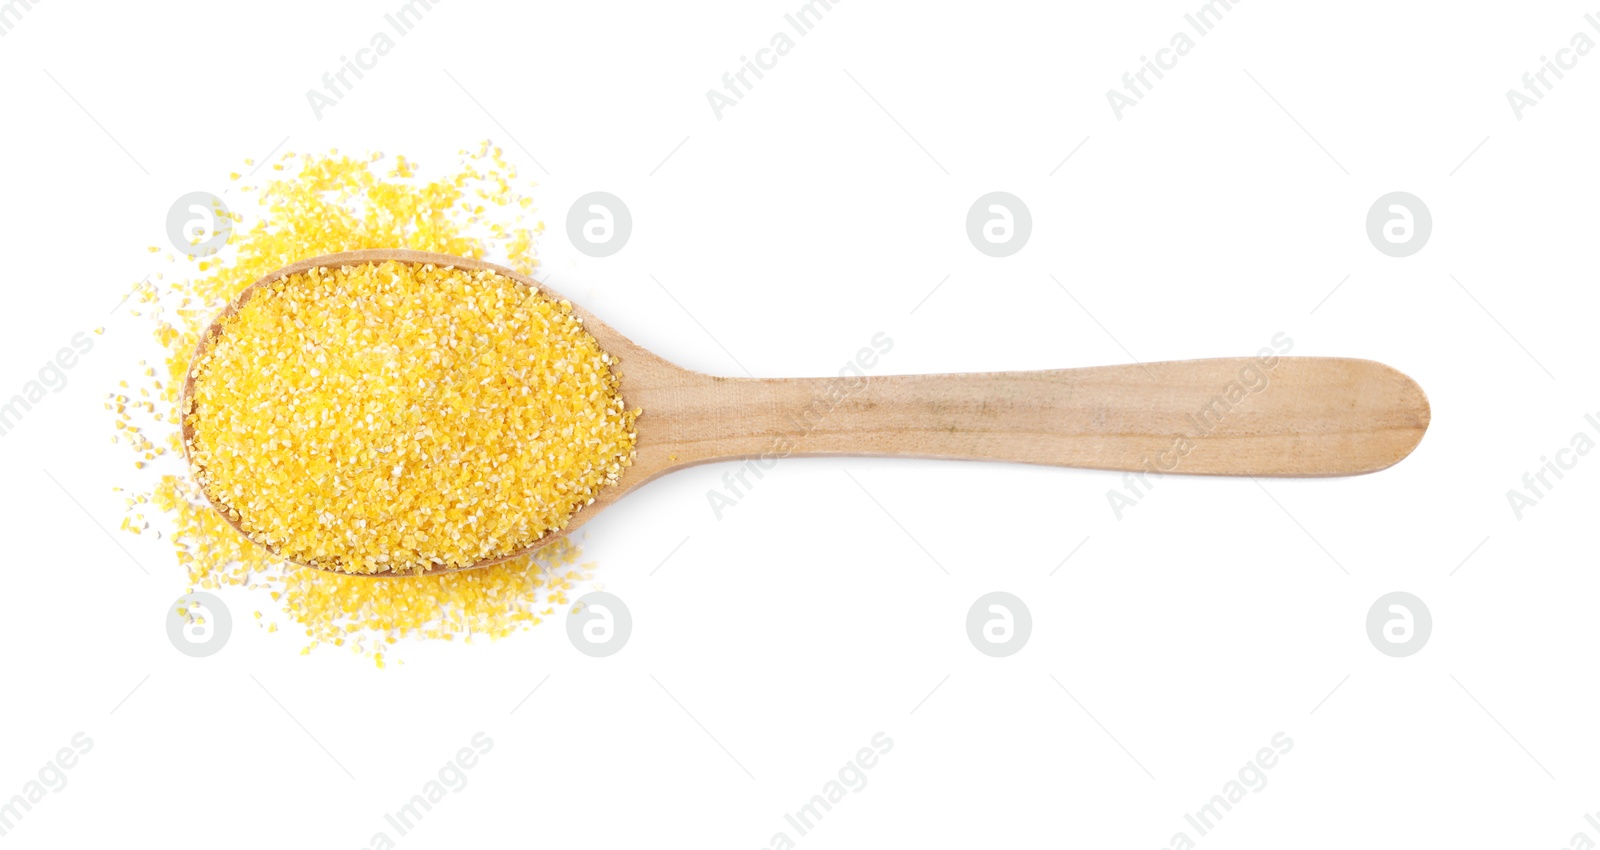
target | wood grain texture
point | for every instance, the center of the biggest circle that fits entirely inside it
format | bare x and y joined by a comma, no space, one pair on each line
1274,416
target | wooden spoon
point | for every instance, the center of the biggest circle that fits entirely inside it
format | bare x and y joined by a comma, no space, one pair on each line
1265,415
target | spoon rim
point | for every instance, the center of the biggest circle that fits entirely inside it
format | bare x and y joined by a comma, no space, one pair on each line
213,330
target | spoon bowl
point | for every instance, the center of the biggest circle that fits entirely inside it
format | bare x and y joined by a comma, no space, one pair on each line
1265,415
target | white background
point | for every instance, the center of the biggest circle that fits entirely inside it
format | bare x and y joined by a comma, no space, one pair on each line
774,643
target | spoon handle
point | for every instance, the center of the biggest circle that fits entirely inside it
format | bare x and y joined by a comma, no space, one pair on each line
1268,416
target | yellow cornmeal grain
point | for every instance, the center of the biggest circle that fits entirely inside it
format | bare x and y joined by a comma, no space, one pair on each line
324,204
394,417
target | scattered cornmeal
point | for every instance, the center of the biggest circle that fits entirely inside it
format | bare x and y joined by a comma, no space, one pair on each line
397,417
324,204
